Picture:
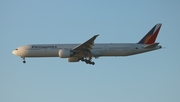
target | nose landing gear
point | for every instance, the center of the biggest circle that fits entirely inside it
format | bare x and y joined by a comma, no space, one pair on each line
23,59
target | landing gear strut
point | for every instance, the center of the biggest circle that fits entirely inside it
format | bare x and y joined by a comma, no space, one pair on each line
23,59
88,61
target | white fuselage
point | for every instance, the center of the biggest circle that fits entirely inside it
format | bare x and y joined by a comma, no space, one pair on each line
98,50
85,51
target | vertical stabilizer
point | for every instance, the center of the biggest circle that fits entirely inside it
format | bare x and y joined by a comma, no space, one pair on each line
151,36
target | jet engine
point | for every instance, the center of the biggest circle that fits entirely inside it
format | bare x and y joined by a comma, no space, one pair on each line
73,59
65,53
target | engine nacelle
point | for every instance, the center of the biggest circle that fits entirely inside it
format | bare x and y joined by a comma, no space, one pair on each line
65,53
73,59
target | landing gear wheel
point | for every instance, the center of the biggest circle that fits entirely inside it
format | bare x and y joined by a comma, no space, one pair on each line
82,60
92,63
87,61
23,59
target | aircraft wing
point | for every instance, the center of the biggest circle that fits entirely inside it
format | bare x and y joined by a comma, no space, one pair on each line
86,46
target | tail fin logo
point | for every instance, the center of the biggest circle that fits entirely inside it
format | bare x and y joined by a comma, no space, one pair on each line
151,36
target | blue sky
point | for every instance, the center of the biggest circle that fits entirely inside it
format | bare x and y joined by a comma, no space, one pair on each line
148,77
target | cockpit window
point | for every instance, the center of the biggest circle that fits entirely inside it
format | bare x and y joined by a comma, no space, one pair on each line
16,49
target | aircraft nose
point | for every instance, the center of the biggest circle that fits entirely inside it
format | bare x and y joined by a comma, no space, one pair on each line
14,52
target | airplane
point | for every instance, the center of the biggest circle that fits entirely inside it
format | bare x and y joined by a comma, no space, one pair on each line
86,51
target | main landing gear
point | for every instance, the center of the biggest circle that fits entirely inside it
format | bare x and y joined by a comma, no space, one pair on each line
88,61
23,59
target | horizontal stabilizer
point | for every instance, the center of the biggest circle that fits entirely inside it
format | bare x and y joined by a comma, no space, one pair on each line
151,45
